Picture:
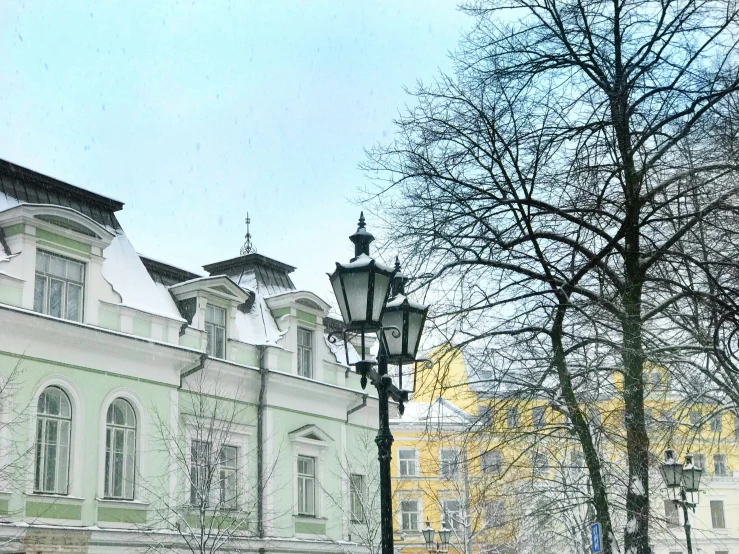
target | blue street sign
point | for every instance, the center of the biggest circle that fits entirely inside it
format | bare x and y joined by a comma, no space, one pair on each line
595,545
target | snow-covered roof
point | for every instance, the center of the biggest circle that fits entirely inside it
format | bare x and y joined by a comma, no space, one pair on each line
439,412
127,275
257,326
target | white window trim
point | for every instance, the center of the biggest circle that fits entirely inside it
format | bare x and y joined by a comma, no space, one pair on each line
76,446
418,467
240,438
302,446
419,511
141,446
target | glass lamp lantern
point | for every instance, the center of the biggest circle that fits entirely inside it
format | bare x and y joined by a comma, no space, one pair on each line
691,475
361,286
444,535
672,472
428,535
402,323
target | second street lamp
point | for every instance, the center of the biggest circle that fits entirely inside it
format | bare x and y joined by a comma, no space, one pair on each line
681,480
362,287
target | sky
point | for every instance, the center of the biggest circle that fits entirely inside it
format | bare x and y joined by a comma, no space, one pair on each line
193,113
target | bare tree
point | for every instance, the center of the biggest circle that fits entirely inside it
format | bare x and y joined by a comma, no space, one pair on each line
545,191
207,499
358,511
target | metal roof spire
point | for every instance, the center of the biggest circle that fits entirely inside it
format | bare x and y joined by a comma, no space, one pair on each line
248,247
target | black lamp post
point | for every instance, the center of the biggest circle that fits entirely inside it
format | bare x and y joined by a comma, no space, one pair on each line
362,288
428,535
681,480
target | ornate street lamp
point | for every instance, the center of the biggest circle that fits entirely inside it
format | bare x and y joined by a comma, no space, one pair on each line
680,480
444,535
362,287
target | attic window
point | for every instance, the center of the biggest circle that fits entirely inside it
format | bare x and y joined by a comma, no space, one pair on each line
308,303
67,224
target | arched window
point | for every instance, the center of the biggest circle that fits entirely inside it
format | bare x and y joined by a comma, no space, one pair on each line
120,450
53,431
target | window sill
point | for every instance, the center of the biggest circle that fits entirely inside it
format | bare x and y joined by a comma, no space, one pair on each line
64,498
307,518
120,503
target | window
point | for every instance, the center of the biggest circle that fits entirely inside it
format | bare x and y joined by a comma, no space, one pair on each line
227,477
120,450
452,515
356,493
492,462
540,464
511,418
305,353
715,423
720,468
695,418
538,415
306,486
409,515
407,461
717,514
495,513
655,379
699,460
448,462
53,433
485,414
204,469
59,286
215,328
671,514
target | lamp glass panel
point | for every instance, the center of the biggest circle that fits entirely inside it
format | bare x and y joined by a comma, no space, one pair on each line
339,295
356,285
428,535
692,478
382,284
672,474
394,318
415,323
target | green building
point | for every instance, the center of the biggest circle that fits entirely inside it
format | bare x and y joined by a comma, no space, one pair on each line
148,407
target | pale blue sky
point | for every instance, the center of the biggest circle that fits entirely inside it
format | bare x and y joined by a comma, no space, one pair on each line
193,113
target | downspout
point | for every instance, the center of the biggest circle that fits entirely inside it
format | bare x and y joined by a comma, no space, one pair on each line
357,408
264,374
201,365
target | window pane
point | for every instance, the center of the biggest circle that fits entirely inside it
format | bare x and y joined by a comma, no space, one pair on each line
220,347
42,262
57,266
74,271
74,302
39,294
717,514
56,297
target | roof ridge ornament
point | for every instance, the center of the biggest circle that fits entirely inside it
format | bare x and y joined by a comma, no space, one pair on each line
248,247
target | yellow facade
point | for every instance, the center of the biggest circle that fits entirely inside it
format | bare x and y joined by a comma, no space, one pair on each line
541,461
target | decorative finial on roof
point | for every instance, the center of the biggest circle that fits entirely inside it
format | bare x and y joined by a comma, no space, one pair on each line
248,247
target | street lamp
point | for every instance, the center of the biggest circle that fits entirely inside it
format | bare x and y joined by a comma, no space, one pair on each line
362,288
682,479
428,535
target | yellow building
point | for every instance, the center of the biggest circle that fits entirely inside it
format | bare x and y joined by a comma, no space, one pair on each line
506,475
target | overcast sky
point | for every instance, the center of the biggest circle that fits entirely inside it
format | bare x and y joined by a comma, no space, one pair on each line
193,113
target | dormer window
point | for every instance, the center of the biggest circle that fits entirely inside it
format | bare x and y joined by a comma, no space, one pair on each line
59,287
305,353
215,327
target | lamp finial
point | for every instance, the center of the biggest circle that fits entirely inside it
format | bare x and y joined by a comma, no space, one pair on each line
362,238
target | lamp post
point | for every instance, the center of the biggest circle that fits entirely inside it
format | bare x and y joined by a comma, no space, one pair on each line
428,535
681,480
371,298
